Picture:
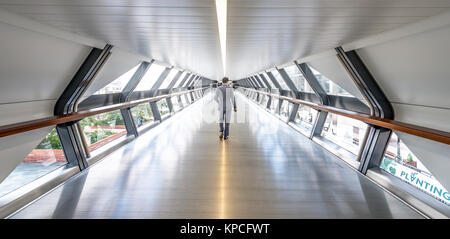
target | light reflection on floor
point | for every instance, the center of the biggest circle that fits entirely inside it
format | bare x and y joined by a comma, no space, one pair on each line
180,169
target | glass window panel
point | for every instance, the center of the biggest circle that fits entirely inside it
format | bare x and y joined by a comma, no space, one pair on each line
305,118
188,98
261,98
189,81
269,81
274,105
169,79
286,108
150,77
344,132
119,83
103,128
260,82
298,79
175,104
280,80
163,107
265,101
43,159
184,100
402,163
142,114
179,80
329,86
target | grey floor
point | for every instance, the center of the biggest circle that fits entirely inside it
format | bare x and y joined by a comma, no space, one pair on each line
180,169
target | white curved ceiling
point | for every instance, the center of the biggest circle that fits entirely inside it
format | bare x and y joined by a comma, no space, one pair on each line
264,33
261,33
182,33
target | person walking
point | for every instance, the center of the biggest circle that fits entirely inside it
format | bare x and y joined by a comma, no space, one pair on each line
225,99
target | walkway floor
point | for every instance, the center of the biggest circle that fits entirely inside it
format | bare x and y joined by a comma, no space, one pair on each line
180,169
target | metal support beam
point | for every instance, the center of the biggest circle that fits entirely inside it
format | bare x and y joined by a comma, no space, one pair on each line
155,111
313,82
190,80
160,80
289,82
261,85
263,78
127,91
318,123
170,105
195,81
274,81
247,83
154,89
186,77
293,89
71,144
174,80
293,113
366,83
134,80
169,88
319,91
253,83
68,134
130,125
269,102
82,79
373,152
378,138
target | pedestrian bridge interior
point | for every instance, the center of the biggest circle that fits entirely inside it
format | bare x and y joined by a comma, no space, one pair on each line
107,109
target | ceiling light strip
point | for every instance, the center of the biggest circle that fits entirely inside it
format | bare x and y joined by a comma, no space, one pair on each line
221,8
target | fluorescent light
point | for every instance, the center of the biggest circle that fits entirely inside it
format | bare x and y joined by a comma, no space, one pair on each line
221,8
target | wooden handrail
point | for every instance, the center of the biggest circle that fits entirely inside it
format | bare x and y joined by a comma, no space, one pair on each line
423,132
16,128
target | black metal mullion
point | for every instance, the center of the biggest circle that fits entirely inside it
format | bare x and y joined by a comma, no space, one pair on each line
68,133
190,80
127,91
265,81
274,81
186,77
253,83
169,88
319,91
258,81
378,137
174,81
293,89
154,89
